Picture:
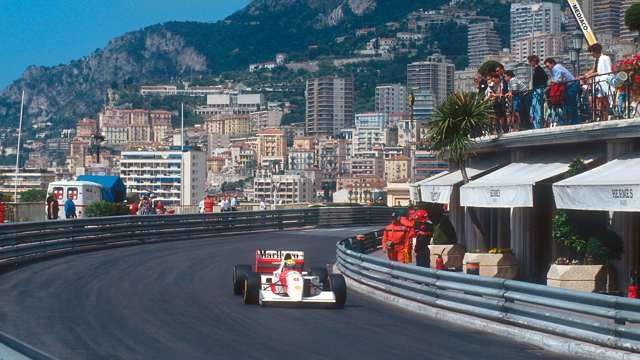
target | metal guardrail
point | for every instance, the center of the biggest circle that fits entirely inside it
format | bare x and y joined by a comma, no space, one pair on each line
28,241
595,318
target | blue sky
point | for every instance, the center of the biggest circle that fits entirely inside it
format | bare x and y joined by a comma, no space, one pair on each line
51,32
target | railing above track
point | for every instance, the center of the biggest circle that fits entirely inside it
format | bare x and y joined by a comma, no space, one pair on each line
604,320
25,241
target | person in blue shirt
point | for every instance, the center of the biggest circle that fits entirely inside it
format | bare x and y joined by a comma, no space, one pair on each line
560,74
70,209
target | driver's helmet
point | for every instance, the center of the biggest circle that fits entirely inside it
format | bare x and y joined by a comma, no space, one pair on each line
289,264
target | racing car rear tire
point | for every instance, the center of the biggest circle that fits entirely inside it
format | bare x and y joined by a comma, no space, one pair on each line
251,291
339,288
239,273
323,276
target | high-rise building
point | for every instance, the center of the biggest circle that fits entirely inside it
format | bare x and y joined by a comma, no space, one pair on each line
434,74
483,40
423,105
587,10
543,45
329,107
391,98
607,21
175,177
529,17
370,130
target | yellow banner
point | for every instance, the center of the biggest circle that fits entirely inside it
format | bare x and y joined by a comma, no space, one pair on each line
582,22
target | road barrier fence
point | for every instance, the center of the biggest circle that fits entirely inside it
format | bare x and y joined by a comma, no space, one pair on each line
32,240
599,319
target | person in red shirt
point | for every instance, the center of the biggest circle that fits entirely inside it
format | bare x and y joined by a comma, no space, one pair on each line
424,232
394,239
407,220
133,208
209,203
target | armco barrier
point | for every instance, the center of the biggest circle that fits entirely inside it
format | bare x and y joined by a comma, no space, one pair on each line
604,320
25,241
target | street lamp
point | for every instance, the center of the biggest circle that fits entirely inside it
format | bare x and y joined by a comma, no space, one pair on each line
577,39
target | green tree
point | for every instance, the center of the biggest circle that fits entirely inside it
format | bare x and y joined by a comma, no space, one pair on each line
632,17
33,195
104,208
461,117
456,121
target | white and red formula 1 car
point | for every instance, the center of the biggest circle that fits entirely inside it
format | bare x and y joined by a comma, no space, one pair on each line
279,278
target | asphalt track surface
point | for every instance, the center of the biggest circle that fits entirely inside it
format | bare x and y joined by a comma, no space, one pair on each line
174,301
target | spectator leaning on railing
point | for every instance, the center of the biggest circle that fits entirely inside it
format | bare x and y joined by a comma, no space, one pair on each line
539,84
560,75
600,73
518,93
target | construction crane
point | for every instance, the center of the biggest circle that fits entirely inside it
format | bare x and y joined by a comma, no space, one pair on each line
582,22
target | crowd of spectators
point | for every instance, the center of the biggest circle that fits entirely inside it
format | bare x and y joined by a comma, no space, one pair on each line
552,95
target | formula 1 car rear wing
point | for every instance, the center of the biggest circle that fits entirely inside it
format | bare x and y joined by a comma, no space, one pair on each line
268,261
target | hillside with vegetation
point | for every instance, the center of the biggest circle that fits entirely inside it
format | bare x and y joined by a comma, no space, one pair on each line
212,53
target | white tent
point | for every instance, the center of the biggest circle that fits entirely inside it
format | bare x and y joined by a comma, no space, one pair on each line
438,189
512,185
614,186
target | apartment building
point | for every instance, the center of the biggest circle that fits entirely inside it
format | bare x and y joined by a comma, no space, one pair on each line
268,119
175,177
370,130
329,105
530,16
435,74
232,103
397,169
543,45
25,179
233,125
135,127
272,149
483,40
283,189
391,98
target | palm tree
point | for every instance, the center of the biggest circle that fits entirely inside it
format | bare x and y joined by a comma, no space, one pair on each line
461,117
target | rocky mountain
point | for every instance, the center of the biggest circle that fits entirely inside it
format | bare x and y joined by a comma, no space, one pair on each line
174,50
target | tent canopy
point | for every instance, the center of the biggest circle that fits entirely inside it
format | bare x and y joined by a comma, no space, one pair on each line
614,186
512,185
438,189
113,188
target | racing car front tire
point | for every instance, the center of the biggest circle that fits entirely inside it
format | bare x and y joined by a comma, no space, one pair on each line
239,273
339,288
251,291
323,276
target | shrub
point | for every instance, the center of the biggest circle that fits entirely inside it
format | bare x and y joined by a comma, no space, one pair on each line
488,67
33,195
104,208
632,17
586,234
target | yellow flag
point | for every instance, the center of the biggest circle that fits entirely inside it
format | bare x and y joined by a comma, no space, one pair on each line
582,22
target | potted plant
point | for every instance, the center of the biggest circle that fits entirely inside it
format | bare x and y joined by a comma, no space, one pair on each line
497,262
631,66
587,245
444,242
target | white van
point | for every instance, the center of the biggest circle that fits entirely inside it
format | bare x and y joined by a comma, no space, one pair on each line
83,194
